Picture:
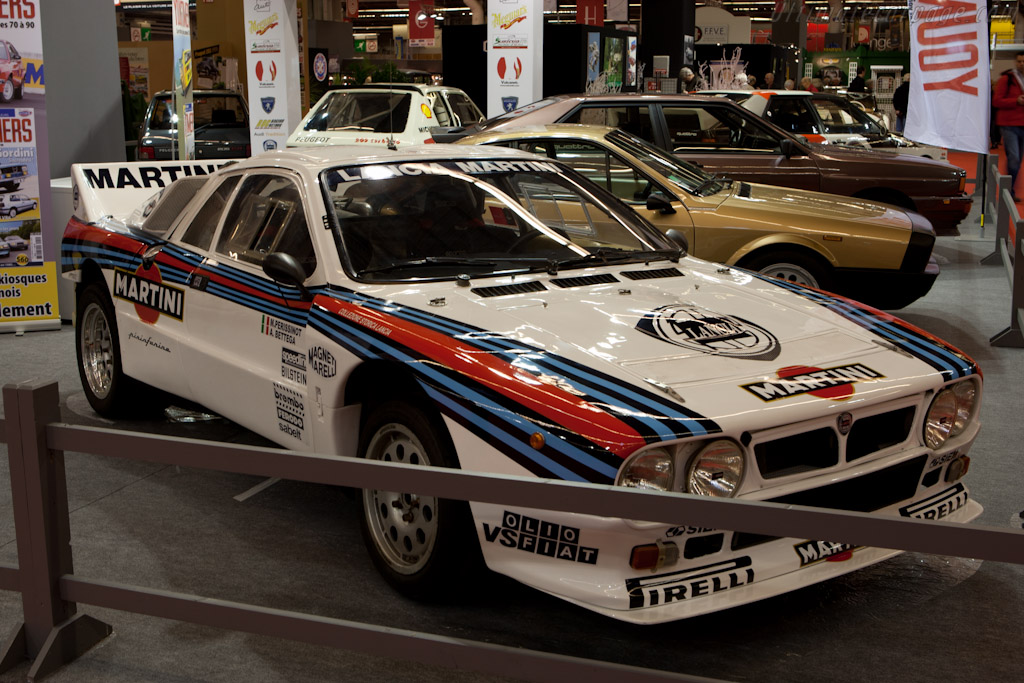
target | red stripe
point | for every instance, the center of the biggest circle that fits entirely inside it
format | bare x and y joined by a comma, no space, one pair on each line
561,407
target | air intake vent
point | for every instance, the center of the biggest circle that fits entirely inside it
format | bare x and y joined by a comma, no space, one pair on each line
744,190
652,274
508,290
584,280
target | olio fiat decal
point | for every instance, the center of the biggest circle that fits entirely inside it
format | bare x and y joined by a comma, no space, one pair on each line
697,329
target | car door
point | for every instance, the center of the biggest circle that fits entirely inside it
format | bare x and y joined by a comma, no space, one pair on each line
246,357
724,138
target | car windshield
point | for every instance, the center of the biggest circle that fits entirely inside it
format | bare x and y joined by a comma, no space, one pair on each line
211,111
840,116
378,112
442,220
682,173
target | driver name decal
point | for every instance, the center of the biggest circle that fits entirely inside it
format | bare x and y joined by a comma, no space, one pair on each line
698,329
151,296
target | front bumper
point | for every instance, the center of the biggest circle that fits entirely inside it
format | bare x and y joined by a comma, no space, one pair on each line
945,213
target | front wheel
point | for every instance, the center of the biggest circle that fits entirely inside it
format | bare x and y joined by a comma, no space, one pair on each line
12,213
791,266
7,94
415,541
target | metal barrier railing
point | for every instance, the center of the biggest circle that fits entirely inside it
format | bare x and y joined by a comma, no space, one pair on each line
53,633
999,204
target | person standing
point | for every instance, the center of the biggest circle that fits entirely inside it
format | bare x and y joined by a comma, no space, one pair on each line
900,102
857,84
689,81
1009,102
806,84
769,81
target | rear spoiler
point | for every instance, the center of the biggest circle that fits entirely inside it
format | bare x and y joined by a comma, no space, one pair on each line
118,189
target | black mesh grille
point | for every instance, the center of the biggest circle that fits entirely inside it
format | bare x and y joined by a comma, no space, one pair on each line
652,274
867,493
798,453
872,434
584,280
506,290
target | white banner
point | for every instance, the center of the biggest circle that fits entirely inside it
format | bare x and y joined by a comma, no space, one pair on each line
949,74
515,36
272,64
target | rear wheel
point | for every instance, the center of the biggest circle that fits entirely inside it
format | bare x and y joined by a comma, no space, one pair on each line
109,391
417,542
791,266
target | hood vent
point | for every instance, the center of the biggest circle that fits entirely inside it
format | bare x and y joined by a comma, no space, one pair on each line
744,190
584,280
507,290
652,274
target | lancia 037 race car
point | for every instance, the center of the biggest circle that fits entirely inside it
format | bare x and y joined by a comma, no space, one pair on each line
489,309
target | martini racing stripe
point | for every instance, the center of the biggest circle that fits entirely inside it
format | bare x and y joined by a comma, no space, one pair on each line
948,360
655,417
558,458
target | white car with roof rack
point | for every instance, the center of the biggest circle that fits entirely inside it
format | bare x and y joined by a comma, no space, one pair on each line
489,309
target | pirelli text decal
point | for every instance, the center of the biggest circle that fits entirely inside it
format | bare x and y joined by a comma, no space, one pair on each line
648,591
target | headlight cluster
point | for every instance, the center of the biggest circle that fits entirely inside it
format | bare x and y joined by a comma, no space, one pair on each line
951,411
715,469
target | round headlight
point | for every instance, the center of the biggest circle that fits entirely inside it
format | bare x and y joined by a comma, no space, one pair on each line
651,469
942,414
716,470
966,393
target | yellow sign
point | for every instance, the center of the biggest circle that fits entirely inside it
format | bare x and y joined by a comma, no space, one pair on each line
28,293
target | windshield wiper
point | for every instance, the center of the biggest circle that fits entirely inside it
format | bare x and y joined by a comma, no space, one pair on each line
475,262
605,256
716,178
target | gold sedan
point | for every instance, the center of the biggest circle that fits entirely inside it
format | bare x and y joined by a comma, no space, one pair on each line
872,252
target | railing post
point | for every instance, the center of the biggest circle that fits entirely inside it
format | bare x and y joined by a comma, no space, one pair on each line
995,212
52,633
1013,336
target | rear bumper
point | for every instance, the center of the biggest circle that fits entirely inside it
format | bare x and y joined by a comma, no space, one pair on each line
886,289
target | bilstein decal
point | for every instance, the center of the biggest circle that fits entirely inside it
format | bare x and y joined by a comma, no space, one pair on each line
293,366
145,289
542,538
834,383
701,330
649,591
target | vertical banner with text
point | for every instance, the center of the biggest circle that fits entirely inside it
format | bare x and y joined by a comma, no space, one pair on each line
950,91
515,36
272,62
28,269
183,80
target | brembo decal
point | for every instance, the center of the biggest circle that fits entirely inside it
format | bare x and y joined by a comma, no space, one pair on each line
542,538
151,297
660,589
698,329
834,383
291,411
811,552
940,505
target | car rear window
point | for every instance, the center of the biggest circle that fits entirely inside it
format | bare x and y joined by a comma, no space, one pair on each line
378,112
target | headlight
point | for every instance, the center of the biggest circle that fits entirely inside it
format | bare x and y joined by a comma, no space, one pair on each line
949,414
651,469
716,470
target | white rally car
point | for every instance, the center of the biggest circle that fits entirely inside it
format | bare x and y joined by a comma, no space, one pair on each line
488,309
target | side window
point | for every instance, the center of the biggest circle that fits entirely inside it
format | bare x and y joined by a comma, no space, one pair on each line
200,231
440,109
792,114
693,129
14,52
3,52
463,108
604,168
630,118
267,216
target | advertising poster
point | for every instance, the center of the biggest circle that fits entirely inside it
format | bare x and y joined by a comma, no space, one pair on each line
182,49
421,23
593,56
28,270
515,44
272,60
138,69
631,61
613,62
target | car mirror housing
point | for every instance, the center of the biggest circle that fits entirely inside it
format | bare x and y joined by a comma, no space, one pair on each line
286,269
790,148
657,201
680,239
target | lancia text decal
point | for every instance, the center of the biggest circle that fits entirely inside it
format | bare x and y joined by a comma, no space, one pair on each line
938,506
151,296
834,383
540,537
701,330
648,591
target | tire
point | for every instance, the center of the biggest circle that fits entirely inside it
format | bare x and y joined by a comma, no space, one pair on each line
12,213
110,392
7,93
792,266
19,91
420,544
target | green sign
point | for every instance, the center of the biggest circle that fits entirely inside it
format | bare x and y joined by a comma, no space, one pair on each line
145,32
361,45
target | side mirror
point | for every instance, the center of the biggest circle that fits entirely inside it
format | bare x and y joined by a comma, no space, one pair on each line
286,269
656,201
790,148
448,133
680,239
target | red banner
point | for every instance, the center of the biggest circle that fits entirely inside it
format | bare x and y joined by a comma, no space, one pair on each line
421,24
590,12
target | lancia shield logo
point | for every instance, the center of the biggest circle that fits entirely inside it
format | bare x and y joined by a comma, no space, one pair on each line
509,103
697,329
844,423
268,103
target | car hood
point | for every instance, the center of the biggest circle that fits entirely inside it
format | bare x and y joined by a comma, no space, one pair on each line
850,159
703,338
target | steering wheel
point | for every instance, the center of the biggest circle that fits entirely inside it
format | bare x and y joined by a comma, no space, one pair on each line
735,136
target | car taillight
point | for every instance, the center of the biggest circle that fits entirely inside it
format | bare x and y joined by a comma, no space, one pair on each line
428,141
146,152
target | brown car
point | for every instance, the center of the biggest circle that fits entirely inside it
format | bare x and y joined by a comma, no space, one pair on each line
722,137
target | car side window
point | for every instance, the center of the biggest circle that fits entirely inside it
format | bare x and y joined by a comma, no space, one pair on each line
3,52
719,129
267,215
200,231
465,111
440,109
601,166
792,114
630,118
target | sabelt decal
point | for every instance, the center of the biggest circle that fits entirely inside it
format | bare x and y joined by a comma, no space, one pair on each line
698,329
291,411
542,538
279,329
833,383
660,589
322,362
293,366
811,552
938,506
145,289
